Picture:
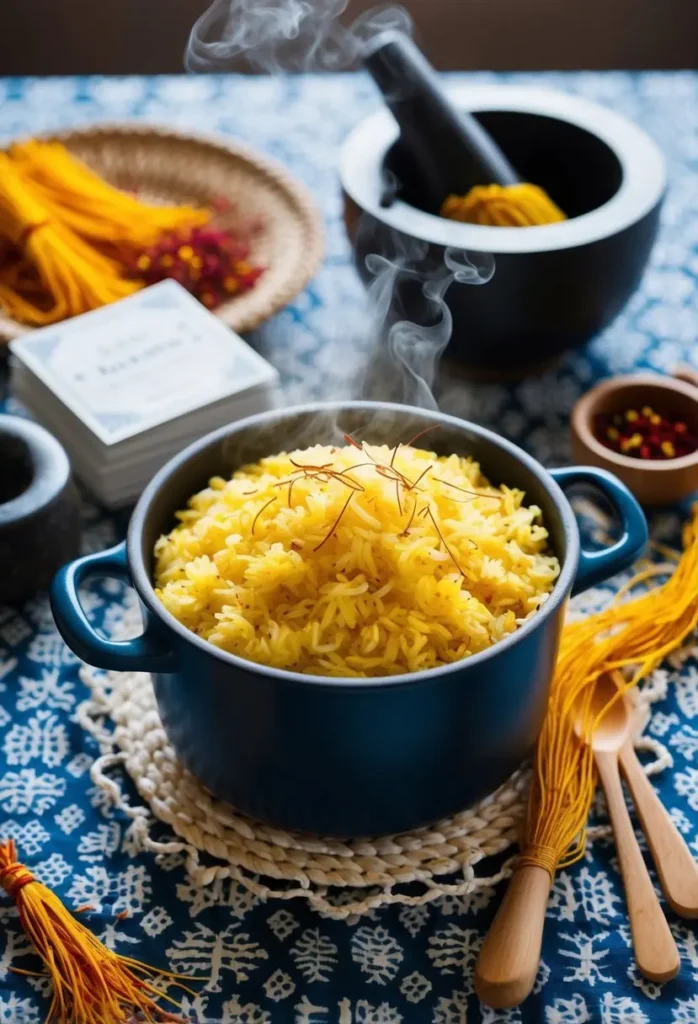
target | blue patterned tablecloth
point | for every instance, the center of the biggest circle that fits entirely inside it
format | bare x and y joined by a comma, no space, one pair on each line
276,963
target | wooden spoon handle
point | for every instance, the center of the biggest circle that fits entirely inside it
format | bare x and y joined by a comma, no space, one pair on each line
676,867
655,950
508,963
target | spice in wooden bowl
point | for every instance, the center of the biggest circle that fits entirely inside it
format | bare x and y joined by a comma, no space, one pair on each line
644,434
644,429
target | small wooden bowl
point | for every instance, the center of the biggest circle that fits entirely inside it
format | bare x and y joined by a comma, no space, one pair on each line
653,482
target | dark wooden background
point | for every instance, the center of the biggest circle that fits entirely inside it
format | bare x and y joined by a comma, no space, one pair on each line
148,36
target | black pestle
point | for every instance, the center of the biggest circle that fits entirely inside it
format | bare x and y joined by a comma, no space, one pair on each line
449,149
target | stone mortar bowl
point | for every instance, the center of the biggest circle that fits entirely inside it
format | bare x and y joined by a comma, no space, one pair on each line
39,509
554,286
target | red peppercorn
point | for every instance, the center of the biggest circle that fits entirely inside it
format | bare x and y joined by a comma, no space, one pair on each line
644,434
212,263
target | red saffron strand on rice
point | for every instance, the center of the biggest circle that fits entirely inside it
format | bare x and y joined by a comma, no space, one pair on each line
396,474
476,494
409,521
411,442
290,490
336,523
362,465
327,469
254,521
297,474
389,472
443,541
421,477
342,474
326,472
309,466
323,475
421,433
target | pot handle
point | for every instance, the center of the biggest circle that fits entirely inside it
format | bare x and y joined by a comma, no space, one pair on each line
596,566
144,653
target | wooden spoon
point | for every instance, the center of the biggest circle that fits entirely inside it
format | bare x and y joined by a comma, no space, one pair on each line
508,962
656,954
675,864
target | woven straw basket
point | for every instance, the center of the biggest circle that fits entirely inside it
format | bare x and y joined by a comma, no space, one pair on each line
167,166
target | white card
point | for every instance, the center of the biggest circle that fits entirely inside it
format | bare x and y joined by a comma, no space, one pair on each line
142,361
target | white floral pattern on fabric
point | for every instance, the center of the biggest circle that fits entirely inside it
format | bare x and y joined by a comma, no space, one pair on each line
281,962
43,738
18,1011
587,959
568,1011
203,949
415,987
279,986
315,955
25,791
377,953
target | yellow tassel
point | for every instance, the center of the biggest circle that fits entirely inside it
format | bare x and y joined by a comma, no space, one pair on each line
75,233
510,206
90,206
91,984
639,632
73,274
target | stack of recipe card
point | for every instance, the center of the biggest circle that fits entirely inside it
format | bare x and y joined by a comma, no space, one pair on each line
127,386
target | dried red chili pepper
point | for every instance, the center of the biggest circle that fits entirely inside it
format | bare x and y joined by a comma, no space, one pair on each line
213,263
644,434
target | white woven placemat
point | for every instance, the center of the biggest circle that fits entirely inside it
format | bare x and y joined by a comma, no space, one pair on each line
339,877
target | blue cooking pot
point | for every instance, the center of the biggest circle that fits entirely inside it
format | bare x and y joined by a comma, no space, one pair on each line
346,757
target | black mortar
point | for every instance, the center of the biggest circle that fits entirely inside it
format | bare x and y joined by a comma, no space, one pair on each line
39,509
555,286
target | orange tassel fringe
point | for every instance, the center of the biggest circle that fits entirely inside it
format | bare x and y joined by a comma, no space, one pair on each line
636,634
91,984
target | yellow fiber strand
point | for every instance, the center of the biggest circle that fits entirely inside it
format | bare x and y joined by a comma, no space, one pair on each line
509,206
75,276
91,984
91,207
638,632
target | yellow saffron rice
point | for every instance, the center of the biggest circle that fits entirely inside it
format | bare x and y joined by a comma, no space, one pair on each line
355,561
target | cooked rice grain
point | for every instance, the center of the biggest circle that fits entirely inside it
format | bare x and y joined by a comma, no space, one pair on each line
357,576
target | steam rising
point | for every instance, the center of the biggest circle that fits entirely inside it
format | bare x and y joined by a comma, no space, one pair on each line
415,346
307,35
285,35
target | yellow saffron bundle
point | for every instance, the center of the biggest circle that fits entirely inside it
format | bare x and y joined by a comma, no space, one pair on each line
73,275
513,206
67,236
638,632
91,983
92,207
